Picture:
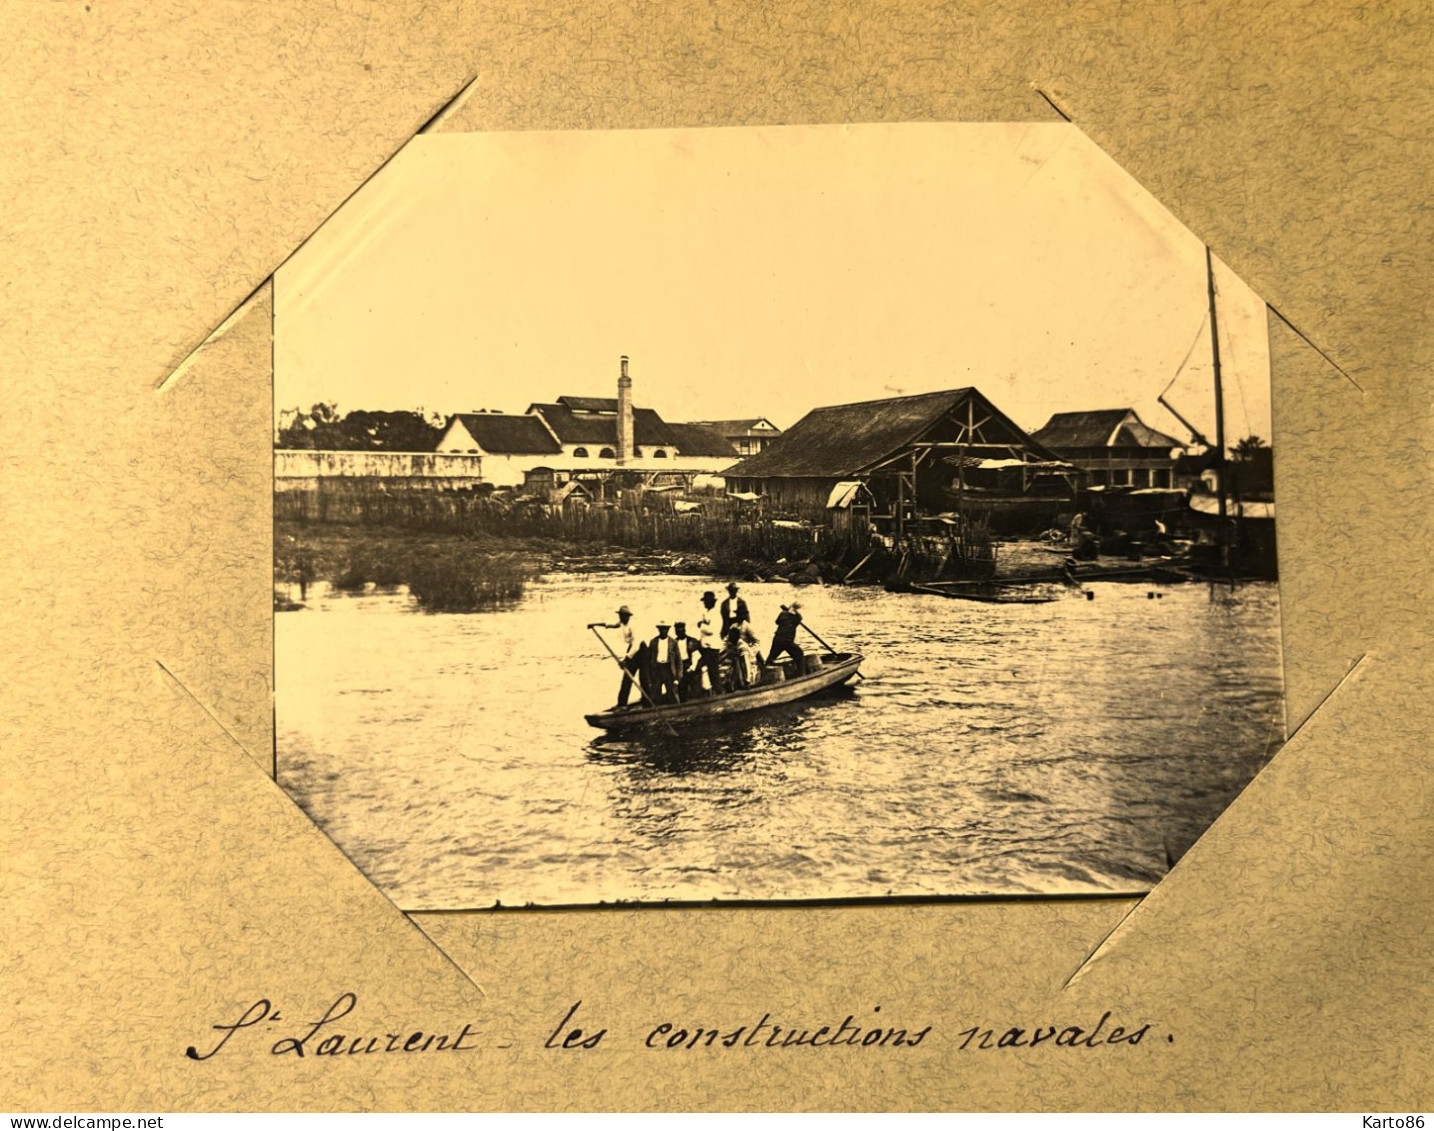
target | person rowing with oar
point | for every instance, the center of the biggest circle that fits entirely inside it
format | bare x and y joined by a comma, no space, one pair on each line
785,638
631,658
822,642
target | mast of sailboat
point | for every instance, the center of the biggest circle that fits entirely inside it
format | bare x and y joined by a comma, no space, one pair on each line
1196,435
1219,409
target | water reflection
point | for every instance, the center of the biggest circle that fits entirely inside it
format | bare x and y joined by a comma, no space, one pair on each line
714,745
1076,745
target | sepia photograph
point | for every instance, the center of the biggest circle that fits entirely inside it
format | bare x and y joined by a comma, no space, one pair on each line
798,513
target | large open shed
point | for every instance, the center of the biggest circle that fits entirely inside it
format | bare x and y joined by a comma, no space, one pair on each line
926,454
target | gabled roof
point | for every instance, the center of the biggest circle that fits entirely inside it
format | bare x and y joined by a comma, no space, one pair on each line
502,434
700,440
589,404
749,427
648,429
843,440
1102,428
1142,435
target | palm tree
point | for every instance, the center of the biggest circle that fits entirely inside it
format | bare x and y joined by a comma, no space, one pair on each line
1246,448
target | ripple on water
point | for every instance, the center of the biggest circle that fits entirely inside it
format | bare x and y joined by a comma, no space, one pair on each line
993,750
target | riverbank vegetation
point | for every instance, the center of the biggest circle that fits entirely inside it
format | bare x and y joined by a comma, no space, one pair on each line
721,538
457,551
444,573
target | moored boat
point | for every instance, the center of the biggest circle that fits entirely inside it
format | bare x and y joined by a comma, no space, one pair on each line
989,594
836,669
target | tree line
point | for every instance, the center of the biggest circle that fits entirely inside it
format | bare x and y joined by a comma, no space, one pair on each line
323,428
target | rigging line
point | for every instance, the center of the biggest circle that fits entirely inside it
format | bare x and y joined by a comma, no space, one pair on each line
1195,341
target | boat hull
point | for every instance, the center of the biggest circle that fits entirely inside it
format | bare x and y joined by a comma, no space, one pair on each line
836,672
994,596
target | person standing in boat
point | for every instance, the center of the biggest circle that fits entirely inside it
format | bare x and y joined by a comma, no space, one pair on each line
734,610
709,640
662,667
689,655
785,638
631,653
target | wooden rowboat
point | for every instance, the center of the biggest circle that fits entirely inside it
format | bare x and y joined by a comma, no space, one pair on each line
989,596
836,669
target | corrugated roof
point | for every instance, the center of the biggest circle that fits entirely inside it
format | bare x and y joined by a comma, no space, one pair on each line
1096,428
841,440
502,434
700,440
648,429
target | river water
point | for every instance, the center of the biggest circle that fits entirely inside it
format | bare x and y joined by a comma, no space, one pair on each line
1075,746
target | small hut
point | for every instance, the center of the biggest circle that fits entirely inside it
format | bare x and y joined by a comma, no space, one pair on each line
849,506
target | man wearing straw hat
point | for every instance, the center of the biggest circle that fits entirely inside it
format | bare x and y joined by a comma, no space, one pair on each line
662,667
709,643
631,658
785,638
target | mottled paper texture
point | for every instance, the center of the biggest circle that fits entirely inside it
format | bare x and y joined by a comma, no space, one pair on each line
163,161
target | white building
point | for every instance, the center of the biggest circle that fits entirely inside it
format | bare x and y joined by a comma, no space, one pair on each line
585,435
748,436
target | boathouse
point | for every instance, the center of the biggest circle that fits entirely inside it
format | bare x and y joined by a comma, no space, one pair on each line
936,453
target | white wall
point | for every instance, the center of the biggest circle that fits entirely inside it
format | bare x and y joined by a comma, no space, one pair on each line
311,465
500,470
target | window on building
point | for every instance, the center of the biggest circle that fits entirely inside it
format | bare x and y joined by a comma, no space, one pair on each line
1160,477
659,454
580,453
1099,479
1120,477
607,453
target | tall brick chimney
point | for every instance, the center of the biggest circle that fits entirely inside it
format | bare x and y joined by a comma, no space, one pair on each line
624,415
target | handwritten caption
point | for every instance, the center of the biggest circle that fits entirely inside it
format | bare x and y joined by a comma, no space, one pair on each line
576,1032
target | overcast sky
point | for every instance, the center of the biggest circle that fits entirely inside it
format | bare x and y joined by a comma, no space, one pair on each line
763,272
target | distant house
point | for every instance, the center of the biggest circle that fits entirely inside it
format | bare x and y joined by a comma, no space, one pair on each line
587,437
748,436
1114,446
926,454
700,441
510,445
587,428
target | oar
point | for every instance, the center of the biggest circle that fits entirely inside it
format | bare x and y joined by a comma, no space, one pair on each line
827,646
628,675
1070,579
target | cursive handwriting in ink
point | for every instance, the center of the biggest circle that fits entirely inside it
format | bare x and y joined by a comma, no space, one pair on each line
257,1012
574,1038
333,1042
1071,1037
